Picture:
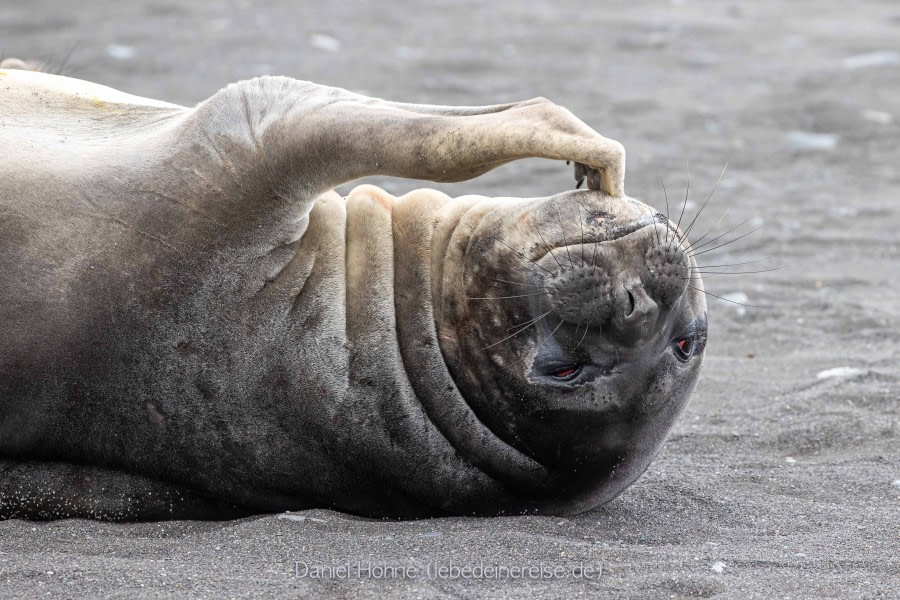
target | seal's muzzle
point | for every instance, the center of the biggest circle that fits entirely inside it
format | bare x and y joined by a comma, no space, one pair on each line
620,285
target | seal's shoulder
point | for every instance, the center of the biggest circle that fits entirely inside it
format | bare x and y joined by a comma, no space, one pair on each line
59,87
43,110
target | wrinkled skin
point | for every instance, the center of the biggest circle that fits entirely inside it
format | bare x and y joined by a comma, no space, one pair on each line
195,327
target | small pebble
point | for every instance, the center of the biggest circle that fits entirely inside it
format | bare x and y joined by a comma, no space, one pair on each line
877,116
430,534
300,518
323,41
807,141
120,51
718,566
843,211
880,58
842,372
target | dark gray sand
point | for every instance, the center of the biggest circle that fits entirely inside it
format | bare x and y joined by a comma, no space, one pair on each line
782,480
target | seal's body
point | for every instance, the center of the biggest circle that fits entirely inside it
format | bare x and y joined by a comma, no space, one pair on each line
193,325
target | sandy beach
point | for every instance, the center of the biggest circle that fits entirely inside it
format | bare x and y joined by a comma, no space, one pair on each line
782,479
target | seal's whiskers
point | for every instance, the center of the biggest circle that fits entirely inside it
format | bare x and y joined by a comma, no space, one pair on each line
749,262
593,258
531,321
738,272
705,202
587,327
655,229
668,217
687,192
65,61
549,248
565,240
725,299
561,321
726,243
503,297
521,254
522,284
581,223
694,248
698,240
514,334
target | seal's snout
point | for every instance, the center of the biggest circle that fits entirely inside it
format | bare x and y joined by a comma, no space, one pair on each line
621,285
634,311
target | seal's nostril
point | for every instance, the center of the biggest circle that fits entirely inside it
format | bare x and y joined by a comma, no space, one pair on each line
636,314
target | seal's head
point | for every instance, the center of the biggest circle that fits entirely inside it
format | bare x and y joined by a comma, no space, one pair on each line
575,327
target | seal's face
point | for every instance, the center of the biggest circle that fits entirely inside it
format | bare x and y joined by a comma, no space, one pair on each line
580,331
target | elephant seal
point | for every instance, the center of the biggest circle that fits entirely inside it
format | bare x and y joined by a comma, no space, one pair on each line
195,326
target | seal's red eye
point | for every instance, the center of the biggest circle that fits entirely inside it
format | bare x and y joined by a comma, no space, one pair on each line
684,347
565,372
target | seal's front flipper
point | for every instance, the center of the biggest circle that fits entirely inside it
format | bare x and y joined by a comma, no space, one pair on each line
53,490
316,137
437,143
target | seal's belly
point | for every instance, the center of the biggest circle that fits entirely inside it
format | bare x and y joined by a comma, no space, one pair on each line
116,329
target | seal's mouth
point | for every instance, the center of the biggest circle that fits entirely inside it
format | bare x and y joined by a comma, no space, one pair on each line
636,225
603,232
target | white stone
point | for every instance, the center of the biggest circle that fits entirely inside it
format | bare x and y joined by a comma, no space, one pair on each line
844,211
299,518
811,142
120,51
880,58
877,116
842,372
326,42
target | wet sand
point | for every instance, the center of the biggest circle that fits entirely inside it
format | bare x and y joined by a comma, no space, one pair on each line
783,477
